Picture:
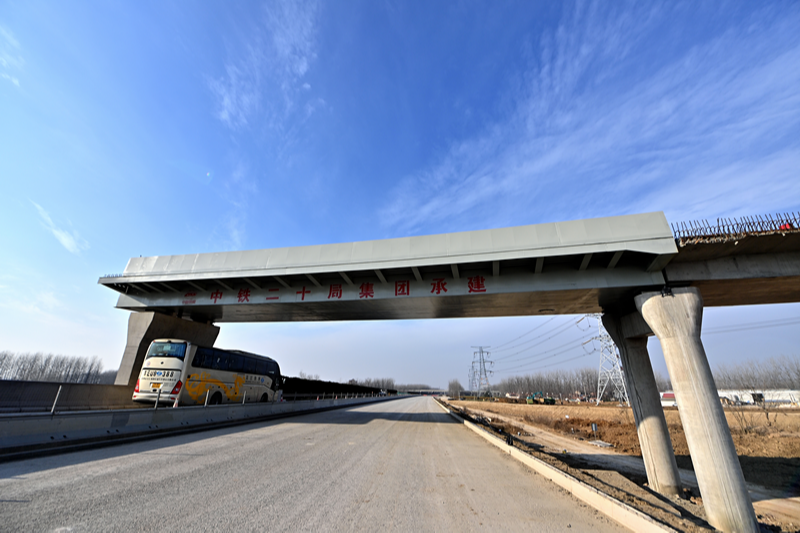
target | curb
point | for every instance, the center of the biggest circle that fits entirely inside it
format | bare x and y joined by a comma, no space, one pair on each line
609,506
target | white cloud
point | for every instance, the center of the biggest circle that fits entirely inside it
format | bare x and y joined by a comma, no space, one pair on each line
238,190
238,93
47,300
291,25
68,239
10,60
714,129
264,74
12,79
8,38
313,105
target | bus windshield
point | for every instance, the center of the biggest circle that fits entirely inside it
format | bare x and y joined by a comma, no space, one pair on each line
167,349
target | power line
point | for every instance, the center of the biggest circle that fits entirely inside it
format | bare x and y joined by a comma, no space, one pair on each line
524,334
553,333
574,341
565,360
525,366
539,367
560,328
752,325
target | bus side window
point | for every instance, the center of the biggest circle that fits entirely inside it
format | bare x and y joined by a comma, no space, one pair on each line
202,358
274,372
220,360
261,368
249,365
235,362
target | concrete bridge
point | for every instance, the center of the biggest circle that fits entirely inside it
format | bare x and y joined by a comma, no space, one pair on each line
642,277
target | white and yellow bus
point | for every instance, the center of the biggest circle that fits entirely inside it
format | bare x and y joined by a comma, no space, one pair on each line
194,375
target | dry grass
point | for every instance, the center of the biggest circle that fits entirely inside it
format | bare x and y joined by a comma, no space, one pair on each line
767,442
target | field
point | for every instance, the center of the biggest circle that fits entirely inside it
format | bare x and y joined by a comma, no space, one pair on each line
767,441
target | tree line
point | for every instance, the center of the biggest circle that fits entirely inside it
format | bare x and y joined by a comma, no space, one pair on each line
51,367
414,386
378,383
774,373
768,374
581,382
389,383
555,383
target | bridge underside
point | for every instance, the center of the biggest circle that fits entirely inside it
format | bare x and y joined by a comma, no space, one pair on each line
446,297
743,270
489,305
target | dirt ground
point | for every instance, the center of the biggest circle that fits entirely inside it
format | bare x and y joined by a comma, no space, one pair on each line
767,442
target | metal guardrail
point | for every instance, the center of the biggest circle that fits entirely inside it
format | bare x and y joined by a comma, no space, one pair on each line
734,229
39,397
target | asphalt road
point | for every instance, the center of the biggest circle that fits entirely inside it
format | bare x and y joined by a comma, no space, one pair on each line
402,465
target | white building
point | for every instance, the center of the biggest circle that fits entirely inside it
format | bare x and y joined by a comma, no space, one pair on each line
778,397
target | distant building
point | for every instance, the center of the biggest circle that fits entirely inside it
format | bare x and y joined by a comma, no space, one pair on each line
778,397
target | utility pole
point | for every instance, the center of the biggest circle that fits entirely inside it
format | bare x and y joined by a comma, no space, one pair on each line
481,358
610,365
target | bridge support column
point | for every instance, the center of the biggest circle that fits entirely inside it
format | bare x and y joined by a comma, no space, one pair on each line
651,426
143,328
676,319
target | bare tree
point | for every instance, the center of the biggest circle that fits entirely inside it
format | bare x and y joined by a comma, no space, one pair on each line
663,383
454,388
767,374
57,368
5,360
107,377
413,386
556,383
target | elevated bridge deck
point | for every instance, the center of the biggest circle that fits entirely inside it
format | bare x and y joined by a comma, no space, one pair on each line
574,267
564,267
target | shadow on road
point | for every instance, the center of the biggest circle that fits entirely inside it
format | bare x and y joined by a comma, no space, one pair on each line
360,416
170,445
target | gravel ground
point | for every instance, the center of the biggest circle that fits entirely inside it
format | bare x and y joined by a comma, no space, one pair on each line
402,465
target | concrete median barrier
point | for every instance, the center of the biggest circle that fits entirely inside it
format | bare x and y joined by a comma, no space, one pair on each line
38,434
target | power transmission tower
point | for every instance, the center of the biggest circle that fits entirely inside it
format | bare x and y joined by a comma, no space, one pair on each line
481,359
610,365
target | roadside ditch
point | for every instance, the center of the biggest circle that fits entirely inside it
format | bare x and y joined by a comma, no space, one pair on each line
681,514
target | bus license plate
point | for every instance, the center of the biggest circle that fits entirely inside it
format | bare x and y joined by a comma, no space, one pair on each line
155,385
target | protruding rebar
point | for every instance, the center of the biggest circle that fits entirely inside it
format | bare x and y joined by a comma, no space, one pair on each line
734,229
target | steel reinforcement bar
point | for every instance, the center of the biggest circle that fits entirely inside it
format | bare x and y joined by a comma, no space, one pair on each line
734,229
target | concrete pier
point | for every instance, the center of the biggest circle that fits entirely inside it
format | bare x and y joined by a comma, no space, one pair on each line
676,319
143,328
651,426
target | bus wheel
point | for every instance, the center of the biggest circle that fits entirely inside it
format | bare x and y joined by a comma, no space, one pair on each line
216,398
264,397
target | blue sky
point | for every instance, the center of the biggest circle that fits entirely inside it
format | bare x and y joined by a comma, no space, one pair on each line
158,128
